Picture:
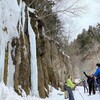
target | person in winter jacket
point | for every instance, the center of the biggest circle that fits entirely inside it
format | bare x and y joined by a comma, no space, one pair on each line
84,85
65,90
97,74
91,82
70,86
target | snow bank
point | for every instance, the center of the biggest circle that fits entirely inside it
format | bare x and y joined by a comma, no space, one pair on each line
9,94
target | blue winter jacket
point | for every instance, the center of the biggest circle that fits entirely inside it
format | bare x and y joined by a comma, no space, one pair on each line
97,74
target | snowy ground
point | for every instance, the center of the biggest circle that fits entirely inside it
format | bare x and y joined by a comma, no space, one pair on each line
8,94
78,95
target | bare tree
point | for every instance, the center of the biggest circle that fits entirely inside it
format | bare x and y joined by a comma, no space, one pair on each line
68,7
48,9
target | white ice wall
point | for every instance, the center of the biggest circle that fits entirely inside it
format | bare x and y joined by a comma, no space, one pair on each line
34,72
9,15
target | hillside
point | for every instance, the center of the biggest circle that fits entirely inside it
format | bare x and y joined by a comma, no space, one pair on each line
85,51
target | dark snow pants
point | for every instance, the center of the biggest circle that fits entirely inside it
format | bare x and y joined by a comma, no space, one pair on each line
85,88
99,87
91,88
70,93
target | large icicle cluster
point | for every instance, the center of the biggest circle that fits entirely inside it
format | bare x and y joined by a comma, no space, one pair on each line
10,14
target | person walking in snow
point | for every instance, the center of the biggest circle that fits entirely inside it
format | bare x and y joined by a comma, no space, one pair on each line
97,74
65,90
91,82
70,86
84,85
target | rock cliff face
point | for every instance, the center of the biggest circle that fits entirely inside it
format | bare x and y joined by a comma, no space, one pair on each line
53,64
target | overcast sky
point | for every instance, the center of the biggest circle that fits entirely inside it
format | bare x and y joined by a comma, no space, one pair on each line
90,17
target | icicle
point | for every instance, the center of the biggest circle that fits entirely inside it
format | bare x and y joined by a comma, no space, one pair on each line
0,14
2,47
11,68
23,16
2,57
34,72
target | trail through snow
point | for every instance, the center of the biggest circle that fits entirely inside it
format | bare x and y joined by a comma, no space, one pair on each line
78,95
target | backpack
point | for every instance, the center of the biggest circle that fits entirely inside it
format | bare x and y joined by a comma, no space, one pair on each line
65,87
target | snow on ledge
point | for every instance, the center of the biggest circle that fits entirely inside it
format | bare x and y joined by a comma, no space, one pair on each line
31,10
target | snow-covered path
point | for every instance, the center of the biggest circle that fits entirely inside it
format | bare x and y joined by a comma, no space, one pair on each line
9,94
78,94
